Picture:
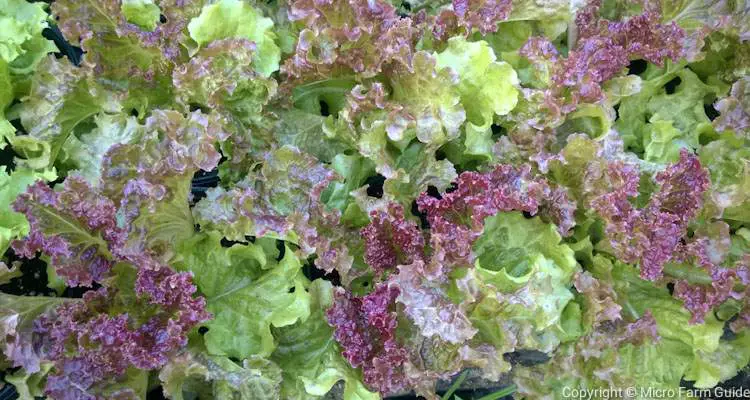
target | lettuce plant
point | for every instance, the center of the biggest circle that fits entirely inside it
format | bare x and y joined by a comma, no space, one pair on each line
294,199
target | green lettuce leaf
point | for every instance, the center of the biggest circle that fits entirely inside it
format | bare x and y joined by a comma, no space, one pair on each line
8,273
304,130
523,262
663,143
658,366
713,359
143,13
729,17
150,176
287,183
594,120
355,169
21,43
614,358
86,153
510,239
12,224
638,296
311,359
552,16
61,98
620,87
127,59
29,385
331,92
237,19
7,130
247,290
710,368
740,244
220,77
431,105
192,374
487,86
415,173
645,117
726,160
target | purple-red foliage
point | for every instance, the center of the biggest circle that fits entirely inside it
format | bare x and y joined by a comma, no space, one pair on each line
78,262
651,235
391,240
365,328
91,342
602,49
456,219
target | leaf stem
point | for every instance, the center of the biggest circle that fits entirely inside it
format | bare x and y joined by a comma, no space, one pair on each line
692,275
455,385
500,393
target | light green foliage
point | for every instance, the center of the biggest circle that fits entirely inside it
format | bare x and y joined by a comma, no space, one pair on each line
228,19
